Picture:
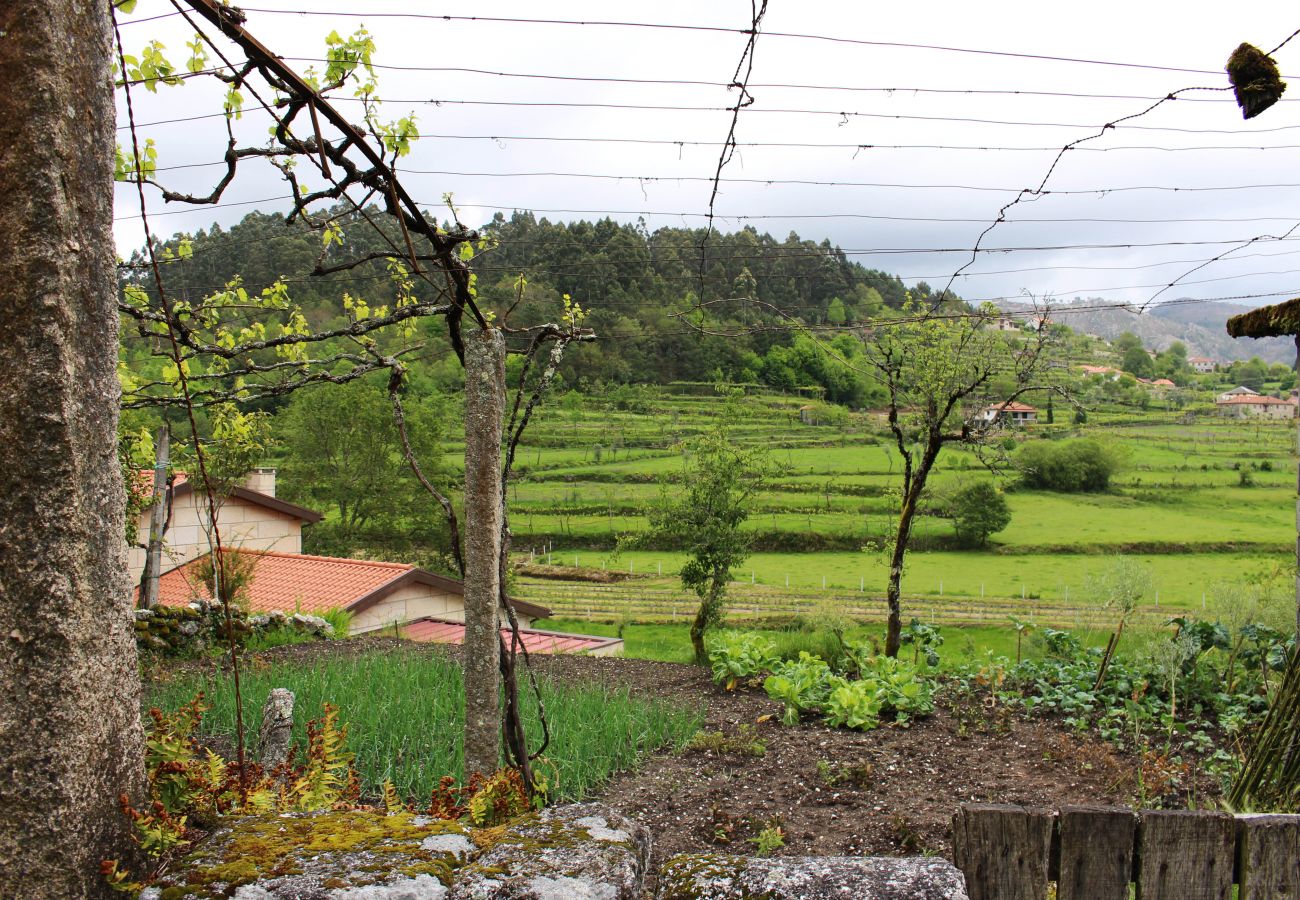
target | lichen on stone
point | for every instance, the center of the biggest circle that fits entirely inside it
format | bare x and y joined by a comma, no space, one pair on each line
1267,321
331,851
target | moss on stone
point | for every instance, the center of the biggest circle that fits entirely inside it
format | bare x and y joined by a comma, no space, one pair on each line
1267,321
680,877
367,846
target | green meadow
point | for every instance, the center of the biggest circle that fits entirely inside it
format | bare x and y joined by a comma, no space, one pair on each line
1207,506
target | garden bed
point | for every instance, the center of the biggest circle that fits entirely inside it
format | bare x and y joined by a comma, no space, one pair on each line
830,791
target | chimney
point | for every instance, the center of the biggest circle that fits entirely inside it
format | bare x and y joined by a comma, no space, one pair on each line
262,481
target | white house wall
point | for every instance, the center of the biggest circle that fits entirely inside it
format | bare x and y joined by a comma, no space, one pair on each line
243,525
411,602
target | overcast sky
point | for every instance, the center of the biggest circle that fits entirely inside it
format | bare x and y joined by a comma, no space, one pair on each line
934,202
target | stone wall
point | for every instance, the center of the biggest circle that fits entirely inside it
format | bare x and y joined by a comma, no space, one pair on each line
192,629
573,852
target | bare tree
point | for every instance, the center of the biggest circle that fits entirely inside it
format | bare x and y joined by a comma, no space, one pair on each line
70,735
938,368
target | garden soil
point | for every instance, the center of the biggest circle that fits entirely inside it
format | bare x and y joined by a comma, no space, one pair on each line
891,791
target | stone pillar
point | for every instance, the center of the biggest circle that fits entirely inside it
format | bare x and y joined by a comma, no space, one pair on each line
277,728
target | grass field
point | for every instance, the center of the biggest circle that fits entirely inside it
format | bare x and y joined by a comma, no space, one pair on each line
405,714
1203,504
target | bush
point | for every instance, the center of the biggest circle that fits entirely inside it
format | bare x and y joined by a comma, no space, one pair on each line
979,510
1075,466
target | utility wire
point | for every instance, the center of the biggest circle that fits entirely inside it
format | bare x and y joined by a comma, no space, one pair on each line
669,26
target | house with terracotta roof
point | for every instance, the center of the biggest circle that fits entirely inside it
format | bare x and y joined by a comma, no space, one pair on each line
1239,391
1105,371
1013,413
1163,384
1202,365
252,518
267,533
1257,406
378,594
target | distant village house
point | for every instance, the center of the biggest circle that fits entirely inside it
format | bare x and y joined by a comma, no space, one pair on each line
1258,406
1012,413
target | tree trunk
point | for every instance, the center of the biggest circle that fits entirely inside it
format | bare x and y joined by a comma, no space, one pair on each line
906,515
70,735
157,521
894,593
485,355
697,632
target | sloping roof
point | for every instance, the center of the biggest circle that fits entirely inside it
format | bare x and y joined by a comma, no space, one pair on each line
1012,407
434,631
181,485
1163,382
1249,400
290,582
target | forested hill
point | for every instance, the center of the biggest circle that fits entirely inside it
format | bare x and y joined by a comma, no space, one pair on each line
640,288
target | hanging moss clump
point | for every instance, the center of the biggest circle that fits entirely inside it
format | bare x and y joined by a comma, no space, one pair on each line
1255,79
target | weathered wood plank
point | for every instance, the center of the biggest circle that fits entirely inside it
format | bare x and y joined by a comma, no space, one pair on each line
1003,850
1096,855
1185,855
1268,856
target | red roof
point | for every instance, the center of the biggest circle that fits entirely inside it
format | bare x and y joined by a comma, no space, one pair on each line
291,582
1012,407
297,582
433,631
1251,400
1163,382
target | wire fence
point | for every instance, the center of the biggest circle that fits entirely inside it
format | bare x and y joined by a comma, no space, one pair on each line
653,605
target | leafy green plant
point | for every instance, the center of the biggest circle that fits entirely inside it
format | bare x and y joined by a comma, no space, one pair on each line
770,839
856,704
925,639
734,655
745,742
802,685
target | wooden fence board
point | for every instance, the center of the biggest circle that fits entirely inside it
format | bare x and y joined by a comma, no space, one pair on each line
1268,856
1096,847
1185,855
1003,850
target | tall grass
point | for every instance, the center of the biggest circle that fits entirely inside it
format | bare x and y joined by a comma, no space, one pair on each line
405,715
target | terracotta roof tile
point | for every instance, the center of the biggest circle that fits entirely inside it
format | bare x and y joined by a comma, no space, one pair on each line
433,631
1250,400
292,582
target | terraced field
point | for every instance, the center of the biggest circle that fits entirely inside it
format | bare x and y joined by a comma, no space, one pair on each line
1205,505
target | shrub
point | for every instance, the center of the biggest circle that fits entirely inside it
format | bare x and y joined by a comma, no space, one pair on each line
978,510
1074,466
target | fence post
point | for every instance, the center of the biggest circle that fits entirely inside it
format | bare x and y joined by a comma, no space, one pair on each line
1185,855
1096,860
1268,857
1004,851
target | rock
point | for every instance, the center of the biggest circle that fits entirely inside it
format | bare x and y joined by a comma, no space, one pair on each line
582,851
717,877
312,624
333,855
189,629
277,728
142,614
